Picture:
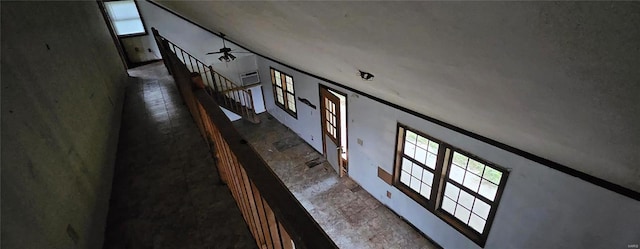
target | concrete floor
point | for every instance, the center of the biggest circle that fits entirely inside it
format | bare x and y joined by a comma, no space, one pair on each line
166,191
350,216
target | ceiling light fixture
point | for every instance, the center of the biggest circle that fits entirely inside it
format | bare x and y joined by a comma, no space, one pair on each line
226,57
365,75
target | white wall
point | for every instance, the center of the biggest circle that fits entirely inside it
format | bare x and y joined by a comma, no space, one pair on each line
140,49
540,207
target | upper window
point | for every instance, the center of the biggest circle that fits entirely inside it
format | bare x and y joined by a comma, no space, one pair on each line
125,18
283,92
461,189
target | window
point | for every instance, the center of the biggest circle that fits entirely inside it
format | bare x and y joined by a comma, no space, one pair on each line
283,92
125,18
461,189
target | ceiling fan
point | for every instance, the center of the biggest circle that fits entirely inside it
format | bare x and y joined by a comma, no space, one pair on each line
226,52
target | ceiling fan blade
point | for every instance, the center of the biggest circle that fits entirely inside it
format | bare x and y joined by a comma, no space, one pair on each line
241,52
214,53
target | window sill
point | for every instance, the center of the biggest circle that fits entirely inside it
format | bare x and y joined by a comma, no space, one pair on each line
132,35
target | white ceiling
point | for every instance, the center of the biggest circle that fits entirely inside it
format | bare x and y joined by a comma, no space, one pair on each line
559,80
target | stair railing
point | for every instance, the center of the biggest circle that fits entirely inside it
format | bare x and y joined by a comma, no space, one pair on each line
226,92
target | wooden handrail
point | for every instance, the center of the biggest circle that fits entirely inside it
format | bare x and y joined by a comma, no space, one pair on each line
273,214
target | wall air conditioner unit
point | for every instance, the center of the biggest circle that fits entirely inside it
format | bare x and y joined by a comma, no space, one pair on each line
250,78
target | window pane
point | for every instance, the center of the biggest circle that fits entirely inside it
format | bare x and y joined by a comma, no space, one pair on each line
409,149
121,10
451,191
415,184
462,214
448,205
481,208
431,160
417,171
427,177
492,175
476,223
488,189
425,191
406,164
421,154
460,160
423,142
404,177
127,27
411,137
466,199
475,167
433,147
471,181
456,174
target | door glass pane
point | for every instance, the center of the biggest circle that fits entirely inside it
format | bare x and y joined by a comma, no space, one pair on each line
280,97
278,83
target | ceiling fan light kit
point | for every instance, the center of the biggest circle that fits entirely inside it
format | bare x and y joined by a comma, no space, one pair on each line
227,57
226,52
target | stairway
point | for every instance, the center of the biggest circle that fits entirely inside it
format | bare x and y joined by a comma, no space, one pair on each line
225,92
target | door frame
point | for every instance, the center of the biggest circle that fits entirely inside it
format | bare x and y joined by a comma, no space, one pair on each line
343,163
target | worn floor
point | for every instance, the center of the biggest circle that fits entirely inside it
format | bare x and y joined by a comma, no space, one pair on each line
350,216
166,192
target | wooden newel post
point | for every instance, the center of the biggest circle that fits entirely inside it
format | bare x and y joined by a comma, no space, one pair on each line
196,80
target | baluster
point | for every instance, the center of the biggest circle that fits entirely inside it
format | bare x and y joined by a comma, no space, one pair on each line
215,88
184,61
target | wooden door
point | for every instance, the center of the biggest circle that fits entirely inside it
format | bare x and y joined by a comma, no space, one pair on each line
331,129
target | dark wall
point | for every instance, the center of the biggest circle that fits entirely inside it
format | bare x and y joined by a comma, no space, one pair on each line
62,94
